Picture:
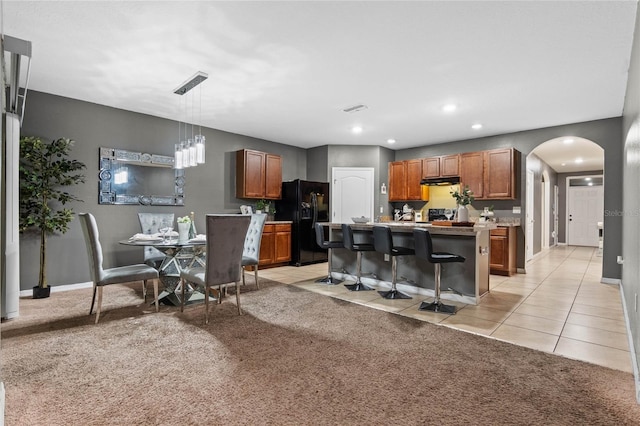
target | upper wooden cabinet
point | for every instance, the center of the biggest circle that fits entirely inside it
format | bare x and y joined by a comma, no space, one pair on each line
444,166
491,175
404,180
273,177
472,172
450,165
397,181
258,175
431,167
500,174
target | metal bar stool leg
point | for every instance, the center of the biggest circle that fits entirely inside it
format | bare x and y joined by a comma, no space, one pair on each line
358,285
394,293
437,305
329,280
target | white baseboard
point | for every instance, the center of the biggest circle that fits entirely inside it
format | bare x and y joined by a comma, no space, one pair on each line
562,244
57,288
521,270
613,281
634,358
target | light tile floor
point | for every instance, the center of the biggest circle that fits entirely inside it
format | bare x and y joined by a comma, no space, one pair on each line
559,306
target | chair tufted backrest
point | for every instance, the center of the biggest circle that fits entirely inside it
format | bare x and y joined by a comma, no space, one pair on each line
94,249
225,243
151,223
254,237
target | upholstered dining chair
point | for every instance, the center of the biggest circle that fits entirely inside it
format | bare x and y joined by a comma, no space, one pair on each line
251,252
151,223
118,275
226,234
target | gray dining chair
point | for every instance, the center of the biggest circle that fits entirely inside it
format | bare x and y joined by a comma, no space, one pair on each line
151,223
251,252
226,234
118,275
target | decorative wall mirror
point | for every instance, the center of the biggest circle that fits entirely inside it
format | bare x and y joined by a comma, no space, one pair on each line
128,177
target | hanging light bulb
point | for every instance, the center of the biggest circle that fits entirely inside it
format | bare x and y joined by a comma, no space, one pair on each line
191,151
200,141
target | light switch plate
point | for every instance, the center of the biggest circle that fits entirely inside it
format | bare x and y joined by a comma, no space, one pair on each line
517,209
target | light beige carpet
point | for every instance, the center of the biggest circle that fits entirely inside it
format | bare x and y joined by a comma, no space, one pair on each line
294,358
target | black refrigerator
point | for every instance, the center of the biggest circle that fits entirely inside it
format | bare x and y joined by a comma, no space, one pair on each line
304,203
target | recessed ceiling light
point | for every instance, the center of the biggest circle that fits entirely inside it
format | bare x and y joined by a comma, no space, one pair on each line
391,141
579,160
476,126
590,183
356,130
587,179
563,164
449,107
567,141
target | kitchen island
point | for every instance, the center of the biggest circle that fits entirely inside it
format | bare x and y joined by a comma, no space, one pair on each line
464,282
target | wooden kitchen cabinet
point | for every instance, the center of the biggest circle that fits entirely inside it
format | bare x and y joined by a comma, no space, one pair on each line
275,246
413,170
431,167
450,165
502,250
500,174
443,166
258,175
273,177
397,181
490,175
404,180
472,172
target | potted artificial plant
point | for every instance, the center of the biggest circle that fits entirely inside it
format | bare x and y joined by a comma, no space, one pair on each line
463,199
45,170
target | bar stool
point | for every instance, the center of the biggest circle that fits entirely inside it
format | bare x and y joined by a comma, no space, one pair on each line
349,243
329,245
383,243
424,250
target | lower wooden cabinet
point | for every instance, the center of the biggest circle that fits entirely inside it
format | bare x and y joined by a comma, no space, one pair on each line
275,247
503,251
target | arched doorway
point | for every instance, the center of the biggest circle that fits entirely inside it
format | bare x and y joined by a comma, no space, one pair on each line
551,165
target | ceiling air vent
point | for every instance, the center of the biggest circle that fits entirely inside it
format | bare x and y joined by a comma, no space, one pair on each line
355,108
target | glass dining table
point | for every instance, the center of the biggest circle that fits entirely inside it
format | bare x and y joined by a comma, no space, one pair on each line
177,257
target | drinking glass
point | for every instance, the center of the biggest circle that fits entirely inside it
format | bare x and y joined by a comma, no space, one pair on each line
165,230
448,213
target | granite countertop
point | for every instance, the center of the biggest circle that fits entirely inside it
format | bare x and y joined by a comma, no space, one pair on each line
434,229
278,222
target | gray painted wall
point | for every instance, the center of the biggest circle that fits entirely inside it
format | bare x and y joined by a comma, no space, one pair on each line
210,188
538,167
631,210
607,133
562,200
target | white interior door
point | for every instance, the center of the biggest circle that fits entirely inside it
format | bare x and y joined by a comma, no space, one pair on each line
352,193
529,221
584,211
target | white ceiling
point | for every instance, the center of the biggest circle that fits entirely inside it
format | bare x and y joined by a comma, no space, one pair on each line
284,71
571,154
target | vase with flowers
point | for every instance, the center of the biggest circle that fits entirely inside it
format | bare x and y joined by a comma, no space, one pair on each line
463,198
184,224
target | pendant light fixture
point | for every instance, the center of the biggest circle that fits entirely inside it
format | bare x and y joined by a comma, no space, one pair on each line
189,152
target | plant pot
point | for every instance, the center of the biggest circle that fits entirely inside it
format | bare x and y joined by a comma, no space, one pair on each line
183,232
41,293
463,214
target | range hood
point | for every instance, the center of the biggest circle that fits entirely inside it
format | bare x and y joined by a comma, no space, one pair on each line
451,180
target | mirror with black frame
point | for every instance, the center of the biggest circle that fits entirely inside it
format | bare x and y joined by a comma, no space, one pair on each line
129,177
